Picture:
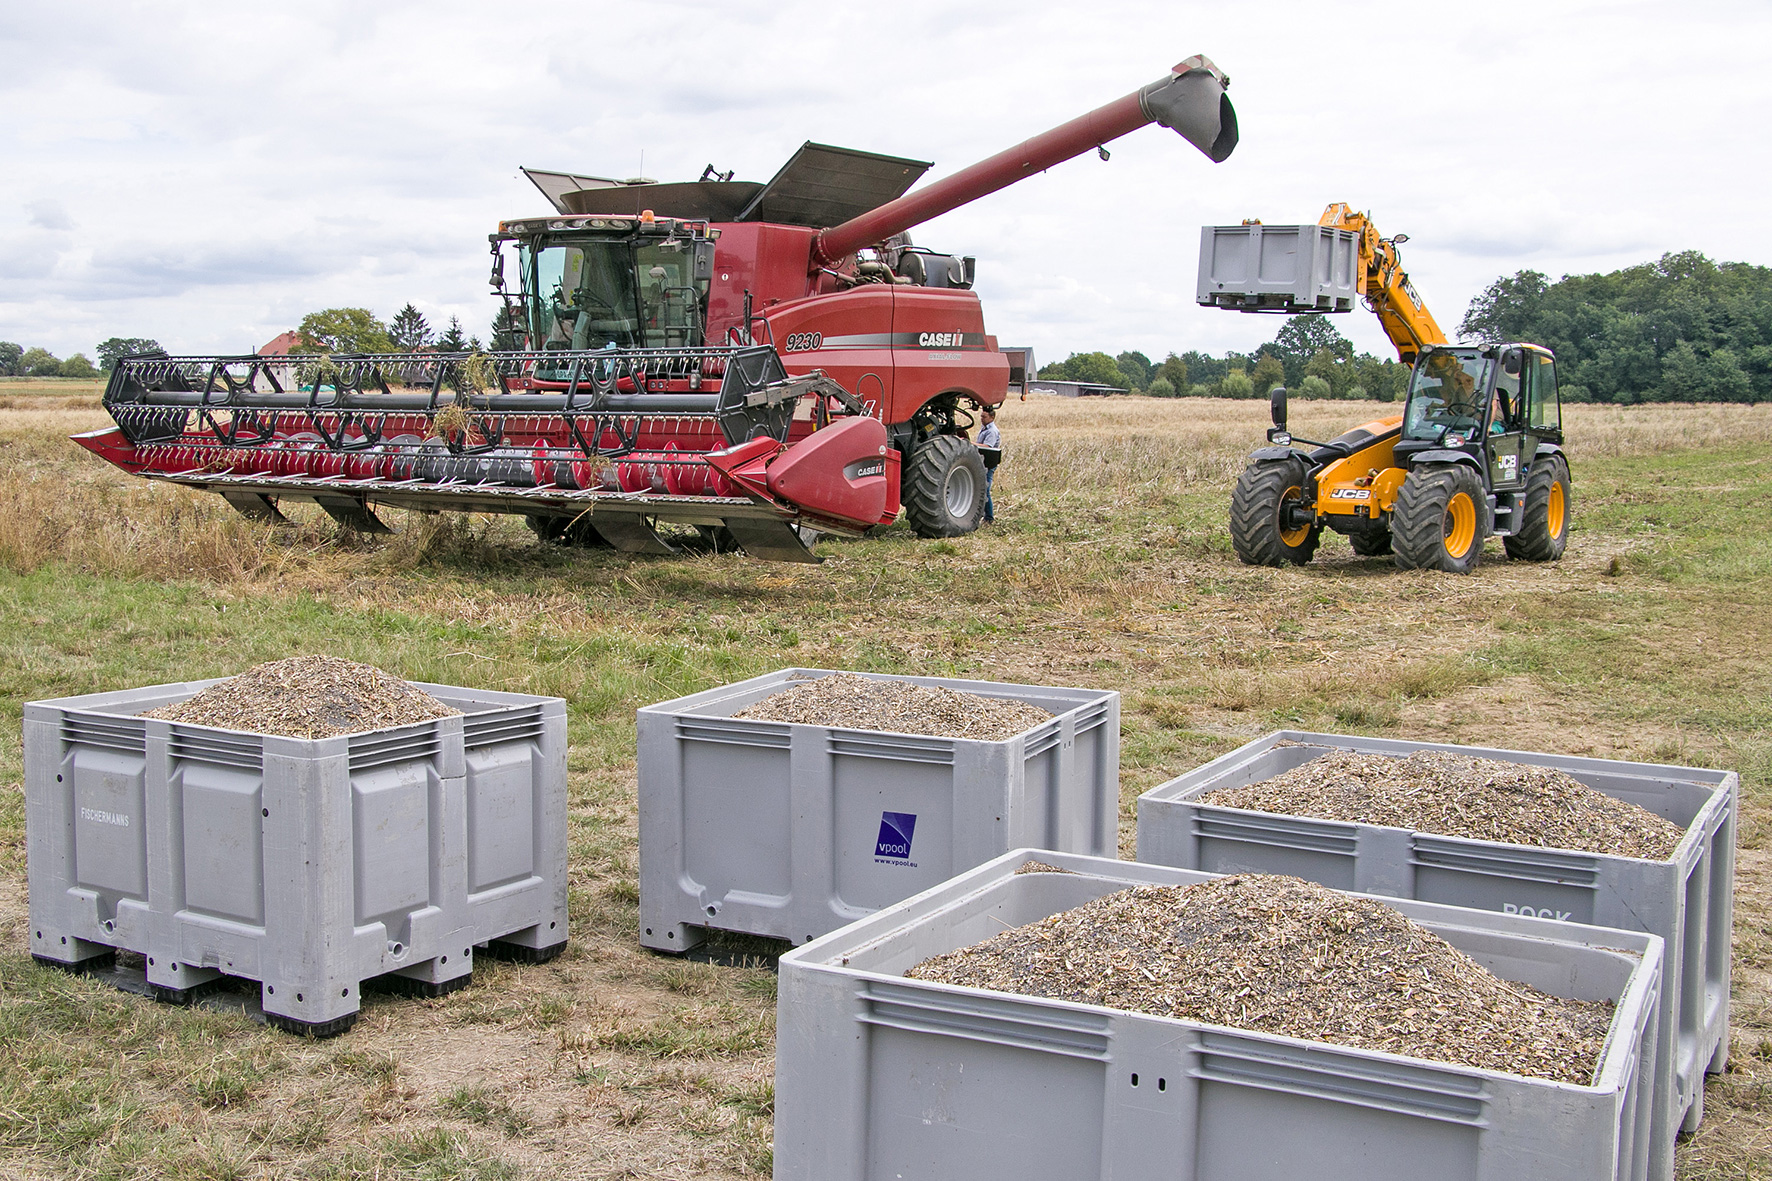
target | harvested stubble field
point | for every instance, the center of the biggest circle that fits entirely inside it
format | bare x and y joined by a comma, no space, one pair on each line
1110,566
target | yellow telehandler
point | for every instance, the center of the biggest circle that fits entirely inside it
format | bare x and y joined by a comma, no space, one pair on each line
1477,451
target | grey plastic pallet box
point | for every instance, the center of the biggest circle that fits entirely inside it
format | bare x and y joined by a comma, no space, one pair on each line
1257,268
879,1077
789,831
1688,900
310,866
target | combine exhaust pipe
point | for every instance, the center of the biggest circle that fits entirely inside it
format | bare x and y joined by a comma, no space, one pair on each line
1190,101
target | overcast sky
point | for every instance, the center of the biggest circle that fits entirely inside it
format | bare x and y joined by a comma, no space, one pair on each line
205,174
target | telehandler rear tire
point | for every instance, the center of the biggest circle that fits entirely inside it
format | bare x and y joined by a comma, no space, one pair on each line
1441,520
1263,492
1544,514
944,487
1375,544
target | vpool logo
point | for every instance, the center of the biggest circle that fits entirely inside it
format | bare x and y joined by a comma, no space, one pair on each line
894,841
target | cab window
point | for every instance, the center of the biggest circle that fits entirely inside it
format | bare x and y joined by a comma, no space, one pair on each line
1544,409
1445,393
1506,412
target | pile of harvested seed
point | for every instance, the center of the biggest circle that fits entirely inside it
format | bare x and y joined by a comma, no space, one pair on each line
860,703
1455,795
307,697
1283,956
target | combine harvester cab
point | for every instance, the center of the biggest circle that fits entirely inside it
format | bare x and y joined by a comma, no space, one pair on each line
694,355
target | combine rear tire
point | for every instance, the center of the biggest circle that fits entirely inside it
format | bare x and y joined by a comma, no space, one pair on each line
1373,544
1441,520
1544,517
1264,492
944,487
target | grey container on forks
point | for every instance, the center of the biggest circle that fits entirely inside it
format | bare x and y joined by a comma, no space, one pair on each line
789,830
1257,268
880,1077
1688,900
308,865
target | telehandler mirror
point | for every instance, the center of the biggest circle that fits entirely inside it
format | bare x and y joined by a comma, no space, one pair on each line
1276,400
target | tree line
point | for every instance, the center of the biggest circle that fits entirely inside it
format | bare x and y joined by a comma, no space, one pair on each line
1682,329
332,330
18,361
1308,356
356,330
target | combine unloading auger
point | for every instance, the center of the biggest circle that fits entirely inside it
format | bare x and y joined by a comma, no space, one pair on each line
851,364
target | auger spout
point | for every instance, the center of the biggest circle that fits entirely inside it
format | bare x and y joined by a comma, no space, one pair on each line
1190,101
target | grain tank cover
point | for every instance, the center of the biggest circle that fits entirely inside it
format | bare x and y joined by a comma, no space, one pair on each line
824,185
712,200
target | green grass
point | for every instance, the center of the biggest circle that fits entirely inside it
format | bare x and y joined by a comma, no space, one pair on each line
1110,567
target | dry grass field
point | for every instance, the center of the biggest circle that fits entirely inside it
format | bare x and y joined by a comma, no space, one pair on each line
1110,566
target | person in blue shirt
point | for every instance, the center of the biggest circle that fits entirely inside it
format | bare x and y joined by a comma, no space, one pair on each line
990,449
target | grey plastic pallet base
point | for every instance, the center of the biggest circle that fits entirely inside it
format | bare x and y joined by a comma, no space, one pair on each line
308,866
517,953
97,963
879,1076
787,831
318,1030
1688,901
394,984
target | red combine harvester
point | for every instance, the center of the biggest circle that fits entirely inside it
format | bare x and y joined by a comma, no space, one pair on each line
698,354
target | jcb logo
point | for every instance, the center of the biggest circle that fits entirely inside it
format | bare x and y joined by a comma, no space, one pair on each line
1351,494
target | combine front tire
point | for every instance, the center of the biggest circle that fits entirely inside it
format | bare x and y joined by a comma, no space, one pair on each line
1260,506
1440,521
944,487
1544,517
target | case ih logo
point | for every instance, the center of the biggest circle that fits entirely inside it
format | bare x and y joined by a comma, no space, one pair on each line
942,340
894,841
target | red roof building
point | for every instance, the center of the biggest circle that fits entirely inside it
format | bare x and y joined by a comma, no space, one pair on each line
281,346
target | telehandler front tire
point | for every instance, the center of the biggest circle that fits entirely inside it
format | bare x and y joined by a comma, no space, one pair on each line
1441,520
944,487
1544,516
1264,491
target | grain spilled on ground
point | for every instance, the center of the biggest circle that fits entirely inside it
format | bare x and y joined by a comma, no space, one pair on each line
308,697
853,702
1456,795
1283,956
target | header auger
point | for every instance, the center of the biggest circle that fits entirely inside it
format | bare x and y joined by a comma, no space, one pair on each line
758,362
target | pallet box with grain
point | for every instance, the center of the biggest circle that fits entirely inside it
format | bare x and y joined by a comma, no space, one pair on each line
790,830
880,1076
1687,899
308,865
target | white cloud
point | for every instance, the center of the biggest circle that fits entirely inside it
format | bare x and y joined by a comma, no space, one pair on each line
205,175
